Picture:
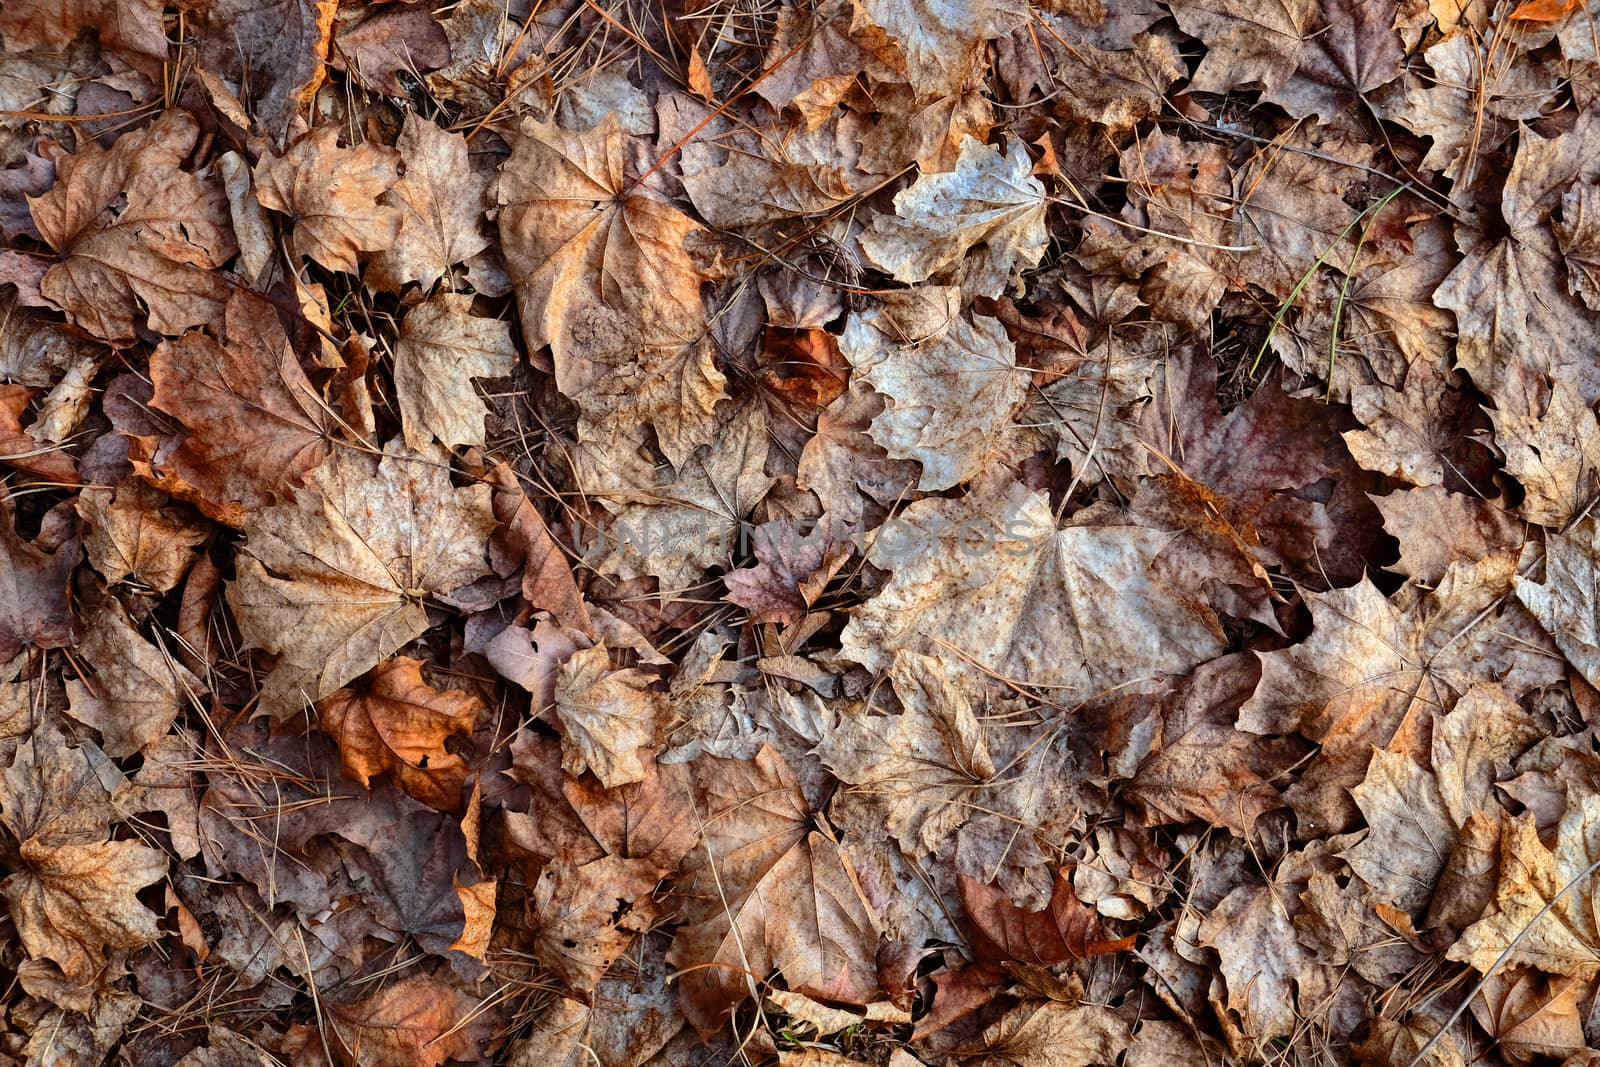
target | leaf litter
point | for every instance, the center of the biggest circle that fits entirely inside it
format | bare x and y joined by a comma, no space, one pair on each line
799,532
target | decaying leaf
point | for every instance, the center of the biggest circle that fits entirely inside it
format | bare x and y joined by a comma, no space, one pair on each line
74,896
998,584
334,582
133,228
333,194
442,347
256,425
399,724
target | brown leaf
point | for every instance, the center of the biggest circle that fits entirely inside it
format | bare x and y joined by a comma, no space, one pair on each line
388,41
1065,930
256,425
74,896
781,897
956,561
593,256
1540,917
333,195
1564,602
950,385
1371,668
130,226
607,717
130,28
33,592
790,574
440,199
137,689
1314,57
399,724
333,583
275,48
1204,767
547,581
442,347
587,915
1051,1034
416,1021
21,450
134,532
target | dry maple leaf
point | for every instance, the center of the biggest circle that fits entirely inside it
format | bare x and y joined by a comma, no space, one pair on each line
130,28
441,201
1578,233
950,385
442,347
137,689
943,44
399,724
1314,57
607,717
18,447
624,1023
1203,766
1371,671
990,202
131,227
1101,70
997,583
134,532
256,425
334,583
1051,1034
930,768
832,46
276,48
1541,900
766,893
1067,929
588,914
75,893
1554,451
33,592
1564,603
416,1021
1520,328
595,258
333,195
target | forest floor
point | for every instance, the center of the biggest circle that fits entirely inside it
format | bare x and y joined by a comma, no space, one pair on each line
597,533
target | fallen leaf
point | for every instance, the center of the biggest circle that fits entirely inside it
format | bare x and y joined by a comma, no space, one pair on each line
416,1021
256,425
137,689
597,259
607,717
74,895
950,386
1370,670
989,201
1539,917
440,199
766,893
333,194
442,347
399,724
34,609
333,583
132,228
1564,602
997,583
1065,930
134,532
